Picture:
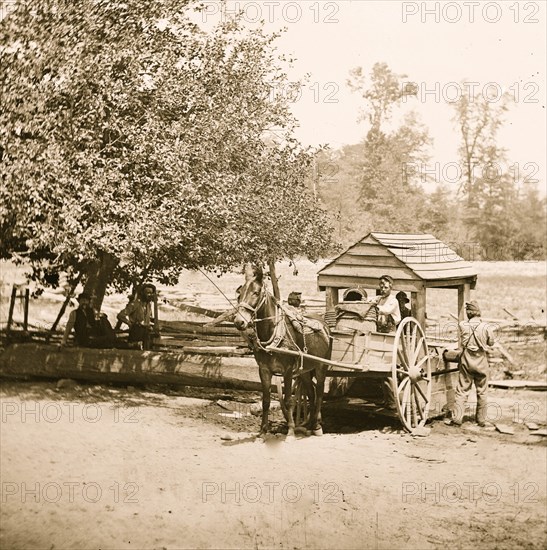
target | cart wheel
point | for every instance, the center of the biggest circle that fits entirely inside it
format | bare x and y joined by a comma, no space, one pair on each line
411,374
302,406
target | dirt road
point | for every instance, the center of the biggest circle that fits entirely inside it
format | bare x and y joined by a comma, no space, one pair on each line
117,468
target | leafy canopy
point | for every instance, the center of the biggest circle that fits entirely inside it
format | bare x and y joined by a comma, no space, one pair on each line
128,132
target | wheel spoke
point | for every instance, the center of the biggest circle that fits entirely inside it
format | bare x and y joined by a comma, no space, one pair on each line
417,401
407,404
413,407
402,384
404,350
417,349
401,356
417,386
421,361
413,333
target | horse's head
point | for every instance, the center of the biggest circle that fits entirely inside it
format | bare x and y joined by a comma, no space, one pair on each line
251,297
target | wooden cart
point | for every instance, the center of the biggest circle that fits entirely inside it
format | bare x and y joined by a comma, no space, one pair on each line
421,379
402,360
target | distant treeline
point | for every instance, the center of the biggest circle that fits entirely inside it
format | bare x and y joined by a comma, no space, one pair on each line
485,207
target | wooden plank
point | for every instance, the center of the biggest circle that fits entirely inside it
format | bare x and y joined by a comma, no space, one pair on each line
454,283
324,281
197,328
220,351
377,344
436,265
446,274
370,261
519,384
382,237
366,249
369,272
177,341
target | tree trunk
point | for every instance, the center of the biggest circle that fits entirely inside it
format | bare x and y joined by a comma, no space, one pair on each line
98,276
273,276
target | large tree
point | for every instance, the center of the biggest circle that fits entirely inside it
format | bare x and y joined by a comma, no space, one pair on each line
134,144
390,194
506,224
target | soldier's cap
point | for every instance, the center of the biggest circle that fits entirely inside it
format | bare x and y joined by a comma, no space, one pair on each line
473,307
401,296
84,296
295,294
387,278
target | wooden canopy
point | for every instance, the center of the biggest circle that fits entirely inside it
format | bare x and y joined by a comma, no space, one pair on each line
415,261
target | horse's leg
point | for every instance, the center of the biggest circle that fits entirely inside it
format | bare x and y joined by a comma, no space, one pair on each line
320,374
266,381
289,401
310,392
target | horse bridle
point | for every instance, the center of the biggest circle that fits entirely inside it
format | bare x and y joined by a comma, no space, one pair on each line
278,333
253,310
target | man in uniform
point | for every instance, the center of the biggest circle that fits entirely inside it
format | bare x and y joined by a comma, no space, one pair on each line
476,337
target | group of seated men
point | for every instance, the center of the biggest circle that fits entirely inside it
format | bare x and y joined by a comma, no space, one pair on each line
93,329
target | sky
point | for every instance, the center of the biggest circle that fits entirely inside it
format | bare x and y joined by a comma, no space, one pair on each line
491,46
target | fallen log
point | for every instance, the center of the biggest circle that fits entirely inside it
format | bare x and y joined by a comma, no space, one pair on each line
128,366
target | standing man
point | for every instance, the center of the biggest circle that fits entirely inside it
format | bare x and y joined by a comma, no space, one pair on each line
389,315
476,337
138,316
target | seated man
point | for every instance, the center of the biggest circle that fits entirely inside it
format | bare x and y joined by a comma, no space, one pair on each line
389,314
403,300
294,310
91,330
298,318
138,316
295,299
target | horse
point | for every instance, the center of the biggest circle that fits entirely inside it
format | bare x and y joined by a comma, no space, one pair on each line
268,326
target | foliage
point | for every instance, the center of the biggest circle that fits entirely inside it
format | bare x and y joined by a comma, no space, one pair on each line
129,134
382,189
494,214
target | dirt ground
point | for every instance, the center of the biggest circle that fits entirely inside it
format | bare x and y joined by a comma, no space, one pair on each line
103,467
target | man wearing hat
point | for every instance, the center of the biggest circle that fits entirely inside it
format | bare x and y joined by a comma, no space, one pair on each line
295,299
403,300
91,330
82,320
476,337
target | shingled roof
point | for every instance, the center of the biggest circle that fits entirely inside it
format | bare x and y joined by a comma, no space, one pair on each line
415,261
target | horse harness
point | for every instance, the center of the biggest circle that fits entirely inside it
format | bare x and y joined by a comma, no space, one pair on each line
280,332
